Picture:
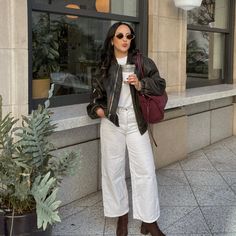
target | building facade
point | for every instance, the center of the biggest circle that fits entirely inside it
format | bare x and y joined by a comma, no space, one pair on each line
194,51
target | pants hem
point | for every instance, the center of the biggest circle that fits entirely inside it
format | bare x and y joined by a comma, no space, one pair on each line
147,221
115,215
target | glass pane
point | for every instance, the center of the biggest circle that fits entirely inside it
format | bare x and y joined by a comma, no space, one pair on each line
124,7
213,13
205,57
121,7
67,50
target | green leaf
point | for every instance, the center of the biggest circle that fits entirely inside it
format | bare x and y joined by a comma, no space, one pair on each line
44,192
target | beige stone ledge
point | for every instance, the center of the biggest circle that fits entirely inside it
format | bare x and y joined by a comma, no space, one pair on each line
197,95
75,116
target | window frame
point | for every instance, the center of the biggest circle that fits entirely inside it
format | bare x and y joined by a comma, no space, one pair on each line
141,26
229,45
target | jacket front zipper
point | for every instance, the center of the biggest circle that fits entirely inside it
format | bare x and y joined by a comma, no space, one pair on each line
113,95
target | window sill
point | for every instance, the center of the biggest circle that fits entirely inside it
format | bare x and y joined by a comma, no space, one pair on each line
75,116
202,94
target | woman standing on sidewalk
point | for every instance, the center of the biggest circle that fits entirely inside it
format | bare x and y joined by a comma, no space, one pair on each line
122,125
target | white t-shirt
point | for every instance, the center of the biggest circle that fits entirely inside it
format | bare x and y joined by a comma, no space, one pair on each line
125,95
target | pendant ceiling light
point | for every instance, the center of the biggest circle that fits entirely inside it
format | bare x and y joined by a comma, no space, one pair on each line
187,4
72,6
103,5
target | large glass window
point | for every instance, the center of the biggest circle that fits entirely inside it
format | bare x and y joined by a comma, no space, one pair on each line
66,45
209,41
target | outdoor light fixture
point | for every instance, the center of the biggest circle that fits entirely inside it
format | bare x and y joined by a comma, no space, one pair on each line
187,4
72,6
103,5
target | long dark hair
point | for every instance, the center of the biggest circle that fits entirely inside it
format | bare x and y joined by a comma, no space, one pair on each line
108,50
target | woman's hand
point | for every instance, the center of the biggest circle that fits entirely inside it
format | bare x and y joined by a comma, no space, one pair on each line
133,80
100,112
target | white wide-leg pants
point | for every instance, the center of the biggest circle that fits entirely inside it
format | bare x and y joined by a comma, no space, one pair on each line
143,178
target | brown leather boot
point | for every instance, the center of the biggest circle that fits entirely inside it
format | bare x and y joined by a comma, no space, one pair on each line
122,225
151,228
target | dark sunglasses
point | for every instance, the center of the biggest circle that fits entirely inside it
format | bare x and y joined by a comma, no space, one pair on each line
128,36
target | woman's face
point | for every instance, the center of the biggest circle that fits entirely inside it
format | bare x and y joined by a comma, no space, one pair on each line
122,40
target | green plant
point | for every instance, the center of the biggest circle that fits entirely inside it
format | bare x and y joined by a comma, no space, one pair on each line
29,174
45,55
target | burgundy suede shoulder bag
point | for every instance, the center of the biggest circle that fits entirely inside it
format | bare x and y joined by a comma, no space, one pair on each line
152,106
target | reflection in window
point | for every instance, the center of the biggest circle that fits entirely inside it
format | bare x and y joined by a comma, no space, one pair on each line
67,50
212,13
205,58
121,7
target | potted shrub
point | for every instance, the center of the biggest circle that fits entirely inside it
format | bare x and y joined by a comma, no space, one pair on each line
30,175
45,55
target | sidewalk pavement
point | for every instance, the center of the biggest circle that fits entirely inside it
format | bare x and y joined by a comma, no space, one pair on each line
197,197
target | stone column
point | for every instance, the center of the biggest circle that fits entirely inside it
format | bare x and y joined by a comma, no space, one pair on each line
167,42
14,57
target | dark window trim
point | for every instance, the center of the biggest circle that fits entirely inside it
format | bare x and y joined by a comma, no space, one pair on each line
229,44
30,57
207,29
62,100
142,32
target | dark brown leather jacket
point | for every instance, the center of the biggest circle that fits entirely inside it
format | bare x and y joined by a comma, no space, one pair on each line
106,91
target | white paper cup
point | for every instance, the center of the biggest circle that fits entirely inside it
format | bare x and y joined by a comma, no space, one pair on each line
127,70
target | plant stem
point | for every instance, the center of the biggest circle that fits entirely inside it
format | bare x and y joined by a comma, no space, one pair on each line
12,221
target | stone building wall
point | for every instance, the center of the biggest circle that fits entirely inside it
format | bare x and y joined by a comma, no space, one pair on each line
14,56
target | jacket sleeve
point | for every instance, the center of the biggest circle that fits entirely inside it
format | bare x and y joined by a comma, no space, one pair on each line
98,98
151,83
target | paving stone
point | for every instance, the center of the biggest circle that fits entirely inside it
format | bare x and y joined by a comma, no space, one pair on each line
229,176
88,222
197,161
205,178
192,223
170,215
171,177
214,195
174,166
176,196
220,219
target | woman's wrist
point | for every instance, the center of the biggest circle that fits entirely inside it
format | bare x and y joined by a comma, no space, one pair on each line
138,86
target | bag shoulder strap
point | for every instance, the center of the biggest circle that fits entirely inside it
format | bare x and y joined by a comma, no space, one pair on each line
141,70
139,64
